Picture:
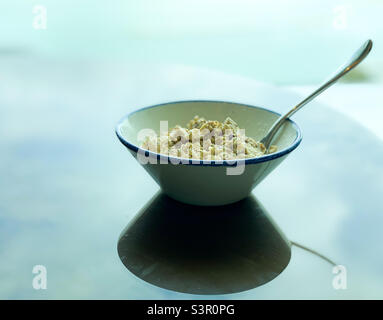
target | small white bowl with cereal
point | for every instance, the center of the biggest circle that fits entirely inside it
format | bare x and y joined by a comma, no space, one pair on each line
206,152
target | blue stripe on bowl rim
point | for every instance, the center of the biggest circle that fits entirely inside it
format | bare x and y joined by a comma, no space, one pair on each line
224,163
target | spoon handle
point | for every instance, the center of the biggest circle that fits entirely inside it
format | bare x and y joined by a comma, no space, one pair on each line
357,57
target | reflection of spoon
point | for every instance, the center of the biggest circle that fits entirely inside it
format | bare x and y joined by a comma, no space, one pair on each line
358,57
204,250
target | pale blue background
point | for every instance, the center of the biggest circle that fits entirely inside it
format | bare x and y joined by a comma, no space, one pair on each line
283,42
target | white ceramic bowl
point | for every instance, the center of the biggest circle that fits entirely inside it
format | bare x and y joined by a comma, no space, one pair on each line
197,182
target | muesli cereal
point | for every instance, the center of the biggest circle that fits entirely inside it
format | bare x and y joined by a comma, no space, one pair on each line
206,140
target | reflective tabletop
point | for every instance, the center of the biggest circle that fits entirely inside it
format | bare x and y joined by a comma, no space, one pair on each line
74,201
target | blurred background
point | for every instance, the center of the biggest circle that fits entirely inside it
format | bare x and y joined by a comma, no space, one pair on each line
281,42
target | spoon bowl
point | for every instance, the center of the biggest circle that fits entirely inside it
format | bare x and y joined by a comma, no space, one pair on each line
201,182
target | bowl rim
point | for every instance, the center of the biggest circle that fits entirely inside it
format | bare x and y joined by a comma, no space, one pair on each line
224,163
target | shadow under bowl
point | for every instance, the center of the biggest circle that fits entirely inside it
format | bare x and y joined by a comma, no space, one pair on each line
204,250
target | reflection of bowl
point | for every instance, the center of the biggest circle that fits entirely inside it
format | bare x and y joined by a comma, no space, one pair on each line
197,182
204,250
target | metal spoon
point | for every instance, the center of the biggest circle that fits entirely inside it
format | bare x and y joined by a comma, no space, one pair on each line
358,57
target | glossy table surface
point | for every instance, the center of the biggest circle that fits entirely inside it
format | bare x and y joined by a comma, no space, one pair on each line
69,189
